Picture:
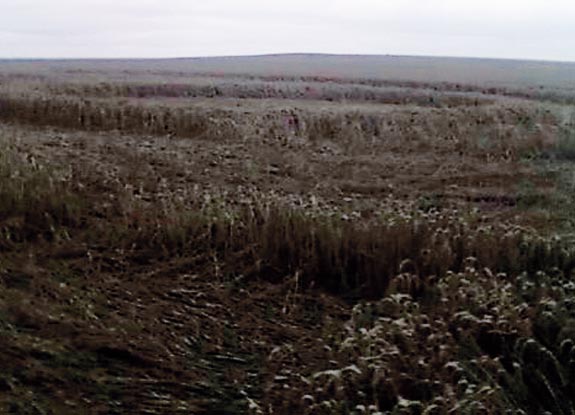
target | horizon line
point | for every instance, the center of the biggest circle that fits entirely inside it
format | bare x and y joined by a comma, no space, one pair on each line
264,55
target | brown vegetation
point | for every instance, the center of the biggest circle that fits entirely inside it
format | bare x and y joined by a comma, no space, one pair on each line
263,251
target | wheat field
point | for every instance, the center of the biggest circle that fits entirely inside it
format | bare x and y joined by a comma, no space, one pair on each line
287,234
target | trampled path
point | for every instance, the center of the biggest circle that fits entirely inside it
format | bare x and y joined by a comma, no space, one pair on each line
151,339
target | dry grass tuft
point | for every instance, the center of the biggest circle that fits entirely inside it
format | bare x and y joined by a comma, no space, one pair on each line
36,201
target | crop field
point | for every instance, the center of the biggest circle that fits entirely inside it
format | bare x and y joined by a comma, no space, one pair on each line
290,234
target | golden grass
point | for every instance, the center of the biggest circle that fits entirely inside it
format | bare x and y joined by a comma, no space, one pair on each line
270,234
464,314
492,132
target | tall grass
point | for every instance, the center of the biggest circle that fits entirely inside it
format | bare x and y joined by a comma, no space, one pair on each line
565,147
448,286
35,200
491,132
266,235
271,239
317,91
105,116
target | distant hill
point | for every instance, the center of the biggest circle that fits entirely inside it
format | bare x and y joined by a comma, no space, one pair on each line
404,68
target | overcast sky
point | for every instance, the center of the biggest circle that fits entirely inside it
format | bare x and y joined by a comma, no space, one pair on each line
534,29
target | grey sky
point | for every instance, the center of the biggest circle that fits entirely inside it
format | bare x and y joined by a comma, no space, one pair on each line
533,29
